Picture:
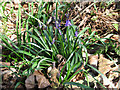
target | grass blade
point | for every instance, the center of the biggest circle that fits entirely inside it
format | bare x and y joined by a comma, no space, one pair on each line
77,84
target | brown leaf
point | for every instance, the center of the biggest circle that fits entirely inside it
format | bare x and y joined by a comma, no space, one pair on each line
42,82
53,73
60,57
54,80
79,76
93,60
61,61
104,65
30,82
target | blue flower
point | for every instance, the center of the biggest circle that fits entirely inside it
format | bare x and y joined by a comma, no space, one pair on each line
66,39
46,27
53,41
59,21
68,23
59,31
76,33
40,25
53,18
57,24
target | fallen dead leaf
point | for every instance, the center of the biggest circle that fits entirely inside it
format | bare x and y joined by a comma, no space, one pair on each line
104,64
53,73
79,76
105,67
36,79
93,60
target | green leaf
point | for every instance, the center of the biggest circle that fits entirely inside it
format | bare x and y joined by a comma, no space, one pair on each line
34,65
18,83
20,66
117,50
97,81
77,84
12,51
74,75
68,71
116,26
70,56
104,77
24,52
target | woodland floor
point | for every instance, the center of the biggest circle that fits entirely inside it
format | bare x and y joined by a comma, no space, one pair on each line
105,22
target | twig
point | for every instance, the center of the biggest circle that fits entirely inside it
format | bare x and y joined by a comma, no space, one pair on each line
83,21
84,10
